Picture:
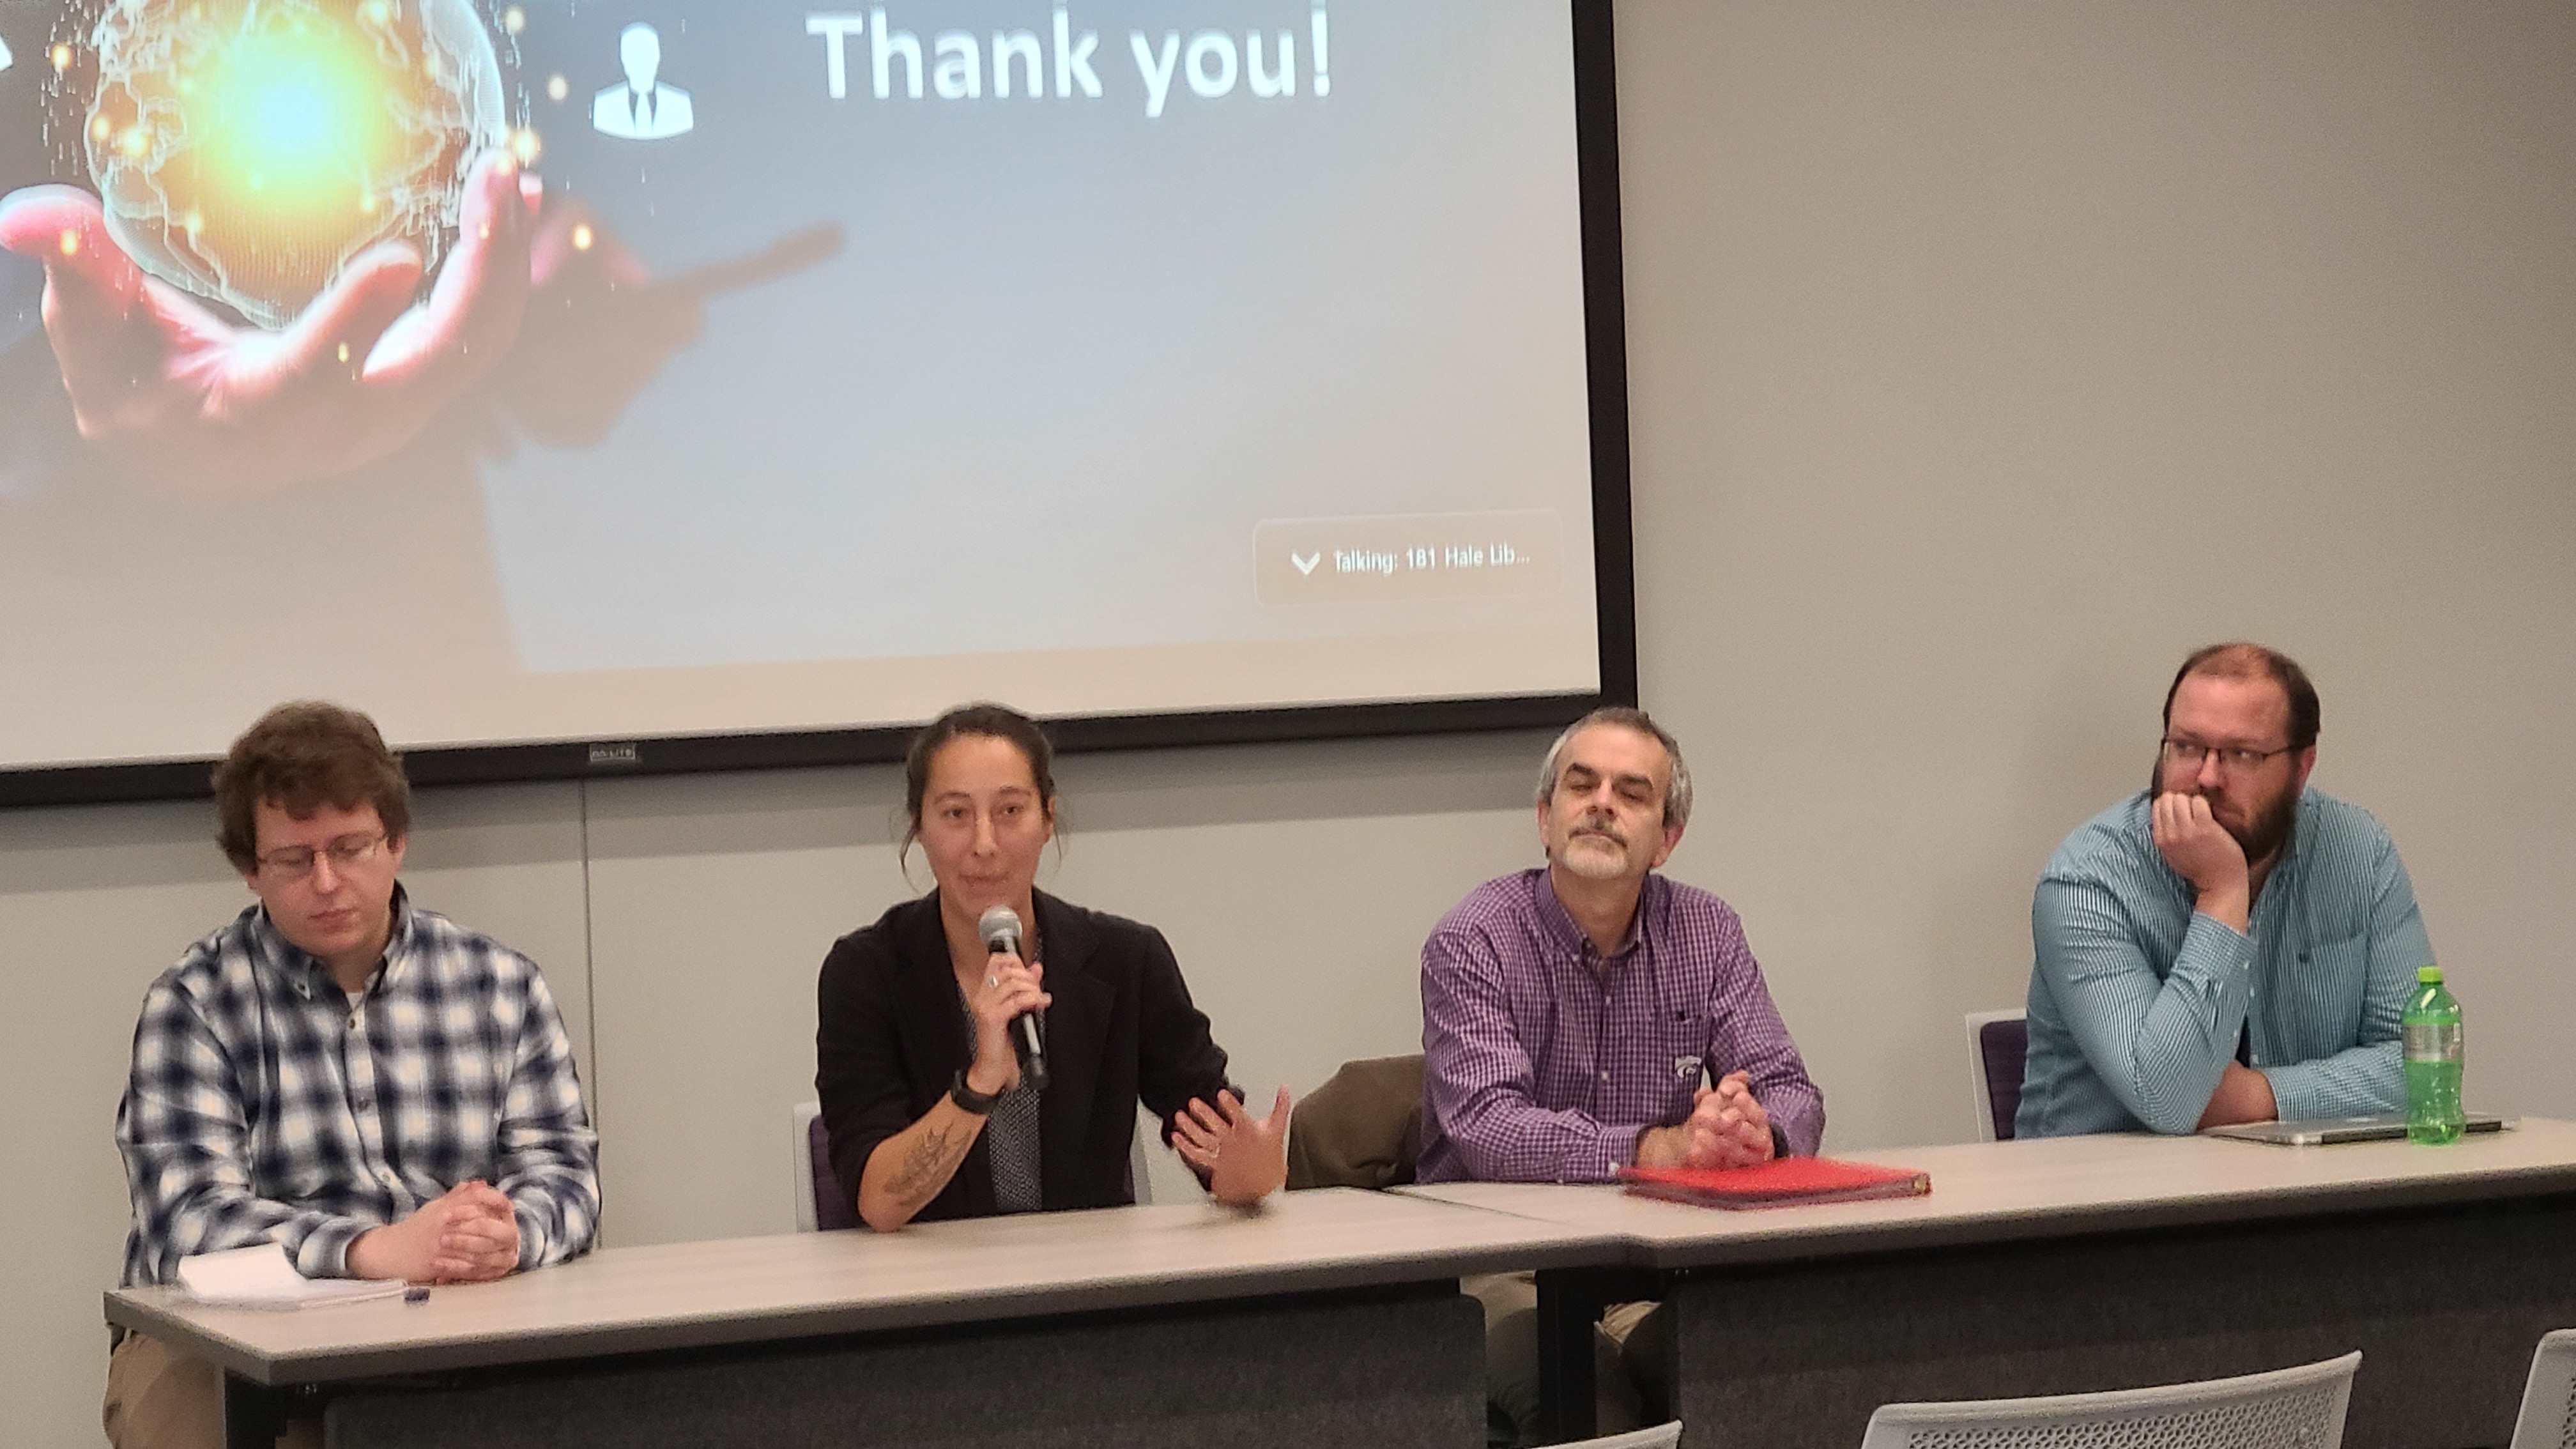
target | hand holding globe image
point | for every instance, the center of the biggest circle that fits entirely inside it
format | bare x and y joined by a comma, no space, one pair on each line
296,242
240,307
248,150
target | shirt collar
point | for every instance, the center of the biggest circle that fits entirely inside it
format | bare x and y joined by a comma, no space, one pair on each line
2285,866
2299,817
305,971
1560,925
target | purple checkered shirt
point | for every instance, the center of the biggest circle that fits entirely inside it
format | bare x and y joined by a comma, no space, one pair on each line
1543,1059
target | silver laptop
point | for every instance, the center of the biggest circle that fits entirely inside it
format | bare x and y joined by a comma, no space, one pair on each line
2326,1130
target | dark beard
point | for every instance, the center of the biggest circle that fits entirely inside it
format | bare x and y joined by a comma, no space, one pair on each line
2270,831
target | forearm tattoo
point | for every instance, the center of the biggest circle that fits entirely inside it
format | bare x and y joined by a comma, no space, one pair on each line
928,1166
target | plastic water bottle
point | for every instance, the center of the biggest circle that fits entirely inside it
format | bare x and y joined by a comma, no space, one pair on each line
2432,1023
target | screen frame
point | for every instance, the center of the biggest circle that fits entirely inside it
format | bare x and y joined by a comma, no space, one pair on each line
1596,114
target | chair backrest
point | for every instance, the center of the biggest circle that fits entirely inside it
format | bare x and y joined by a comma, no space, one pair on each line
2548,1419
2293,1408
1361,1128
1661,1436
802,1119
819,1206
1140,1185
1997,1043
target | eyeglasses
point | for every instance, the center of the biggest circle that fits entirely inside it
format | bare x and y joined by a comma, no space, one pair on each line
295,862
2235,760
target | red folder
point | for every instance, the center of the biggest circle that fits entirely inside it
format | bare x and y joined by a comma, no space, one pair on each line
1781,1182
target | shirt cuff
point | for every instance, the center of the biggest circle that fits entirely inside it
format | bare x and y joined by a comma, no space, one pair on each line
1619,1147
324,1253
2299,1094
2230,950
533,1242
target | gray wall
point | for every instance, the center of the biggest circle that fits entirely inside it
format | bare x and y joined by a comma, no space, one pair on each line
1985,358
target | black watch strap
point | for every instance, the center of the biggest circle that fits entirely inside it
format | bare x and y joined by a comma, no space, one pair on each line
970,1100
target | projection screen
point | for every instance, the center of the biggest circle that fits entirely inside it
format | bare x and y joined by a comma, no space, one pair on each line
681,383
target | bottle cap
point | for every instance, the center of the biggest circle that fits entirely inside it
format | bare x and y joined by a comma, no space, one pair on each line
2429,975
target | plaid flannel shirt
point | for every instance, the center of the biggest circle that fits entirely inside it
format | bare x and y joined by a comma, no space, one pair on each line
267,1104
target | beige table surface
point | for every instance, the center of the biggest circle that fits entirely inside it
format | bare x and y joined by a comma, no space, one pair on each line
686,1295
2003,1191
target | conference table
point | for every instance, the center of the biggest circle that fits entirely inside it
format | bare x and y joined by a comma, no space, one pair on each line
1323,1317
2075,1264
1334,1316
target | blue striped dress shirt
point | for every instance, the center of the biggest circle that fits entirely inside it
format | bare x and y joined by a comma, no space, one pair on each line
2137,1002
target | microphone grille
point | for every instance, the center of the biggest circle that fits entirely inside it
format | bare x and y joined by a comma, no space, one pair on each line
998,921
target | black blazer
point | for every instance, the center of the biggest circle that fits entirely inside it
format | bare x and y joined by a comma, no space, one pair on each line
890,1036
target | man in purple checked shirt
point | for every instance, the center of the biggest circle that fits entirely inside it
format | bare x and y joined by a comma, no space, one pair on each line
1573,1017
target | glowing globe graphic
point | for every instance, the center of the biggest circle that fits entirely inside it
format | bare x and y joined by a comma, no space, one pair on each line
245,150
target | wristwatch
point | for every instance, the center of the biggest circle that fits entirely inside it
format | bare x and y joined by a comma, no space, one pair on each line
970,1100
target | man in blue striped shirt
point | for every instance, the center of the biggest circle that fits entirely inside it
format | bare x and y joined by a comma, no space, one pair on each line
370,1086
2228,945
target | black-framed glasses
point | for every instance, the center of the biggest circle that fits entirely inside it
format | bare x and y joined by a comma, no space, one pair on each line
2232,758
295,862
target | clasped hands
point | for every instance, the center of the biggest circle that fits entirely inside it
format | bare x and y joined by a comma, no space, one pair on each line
1726,1128
468,1234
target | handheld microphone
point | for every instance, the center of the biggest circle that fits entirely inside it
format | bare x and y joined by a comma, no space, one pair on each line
1000,928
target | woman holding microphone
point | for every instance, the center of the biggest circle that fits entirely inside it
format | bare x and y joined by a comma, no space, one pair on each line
929,1096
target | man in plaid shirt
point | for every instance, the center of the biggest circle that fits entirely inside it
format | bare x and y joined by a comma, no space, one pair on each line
379,1091
1590,1014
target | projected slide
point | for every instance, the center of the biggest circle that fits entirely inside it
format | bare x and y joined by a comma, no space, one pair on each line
551,370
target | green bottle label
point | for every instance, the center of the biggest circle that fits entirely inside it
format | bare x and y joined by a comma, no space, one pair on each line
2434,1041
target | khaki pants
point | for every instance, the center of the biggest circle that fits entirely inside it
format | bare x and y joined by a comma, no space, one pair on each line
1511,1357
157,1399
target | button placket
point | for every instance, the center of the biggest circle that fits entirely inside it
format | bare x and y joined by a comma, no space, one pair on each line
1588,963
358,1071
1600,1045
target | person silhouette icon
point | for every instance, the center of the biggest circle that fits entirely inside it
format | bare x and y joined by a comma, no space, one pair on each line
643,109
